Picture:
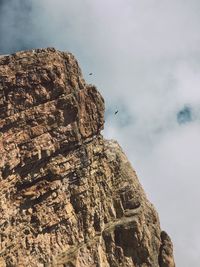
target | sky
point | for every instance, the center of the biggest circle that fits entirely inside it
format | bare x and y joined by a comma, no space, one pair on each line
145,60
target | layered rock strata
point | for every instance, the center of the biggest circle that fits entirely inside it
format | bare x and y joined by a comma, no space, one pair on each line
67,196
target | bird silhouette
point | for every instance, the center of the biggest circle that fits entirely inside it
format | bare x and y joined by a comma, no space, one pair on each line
90,73
116,112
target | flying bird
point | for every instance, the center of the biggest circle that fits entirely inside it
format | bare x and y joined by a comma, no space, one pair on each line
116,112
90,73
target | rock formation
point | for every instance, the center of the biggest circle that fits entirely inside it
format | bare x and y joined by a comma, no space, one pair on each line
67,196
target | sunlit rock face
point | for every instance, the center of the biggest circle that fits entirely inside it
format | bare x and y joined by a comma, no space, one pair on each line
67,196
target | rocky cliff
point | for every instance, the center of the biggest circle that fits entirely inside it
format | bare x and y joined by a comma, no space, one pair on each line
67,196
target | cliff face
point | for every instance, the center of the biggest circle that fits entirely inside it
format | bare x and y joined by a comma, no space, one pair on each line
67,196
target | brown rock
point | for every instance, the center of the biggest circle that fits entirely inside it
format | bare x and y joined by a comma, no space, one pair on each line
67,196
166,251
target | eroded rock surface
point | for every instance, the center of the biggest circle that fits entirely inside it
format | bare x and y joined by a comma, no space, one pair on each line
67,196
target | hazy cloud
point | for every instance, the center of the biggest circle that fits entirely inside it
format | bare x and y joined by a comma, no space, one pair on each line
145,59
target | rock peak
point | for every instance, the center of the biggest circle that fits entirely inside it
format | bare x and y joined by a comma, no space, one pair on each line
68,197
45,105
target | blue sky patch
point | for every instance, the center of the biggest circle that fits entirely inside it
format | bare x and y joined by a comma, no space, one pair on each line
184,115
